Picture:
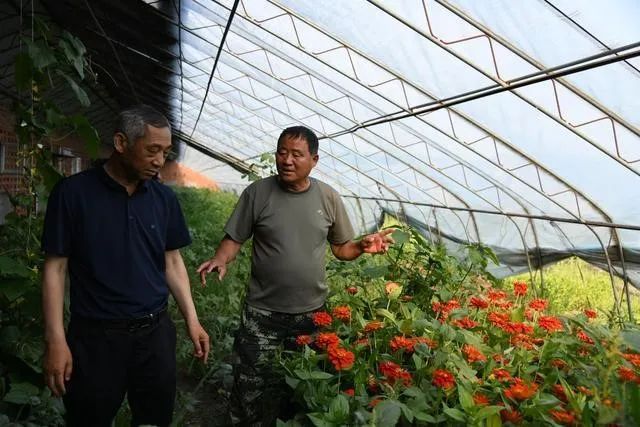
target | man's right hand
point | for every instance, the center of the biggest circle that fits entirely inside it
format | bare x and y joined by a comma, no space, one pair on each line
209,266
58,365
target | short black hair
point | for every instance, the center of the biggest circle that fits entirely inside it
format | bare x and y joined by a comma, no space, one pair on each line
133,120
303,132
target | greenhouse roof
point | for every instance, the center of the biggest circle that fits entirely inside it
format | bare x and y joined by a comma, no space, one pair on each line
514,125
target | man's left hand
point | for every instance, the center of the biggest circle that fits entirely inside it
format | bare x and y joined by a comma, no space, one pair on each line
200,340
377,243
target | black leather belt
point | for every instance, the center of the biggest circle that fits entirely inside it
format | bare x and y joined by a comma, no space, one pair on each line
135,324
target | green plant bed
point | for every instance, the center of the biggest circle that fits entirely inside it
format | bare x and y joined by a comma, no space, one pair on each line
572,285
439,342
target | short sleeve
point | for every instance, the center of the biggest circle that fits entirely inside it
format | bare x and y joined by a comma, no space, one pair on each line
57,230
177,231
341,231
240,224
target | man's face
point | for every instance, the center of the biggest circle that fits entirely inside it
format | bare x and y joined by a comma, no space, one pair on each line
294,161
144,157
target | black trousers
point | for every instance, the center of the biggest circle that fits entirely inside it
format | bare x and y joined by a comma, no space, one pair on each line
111,359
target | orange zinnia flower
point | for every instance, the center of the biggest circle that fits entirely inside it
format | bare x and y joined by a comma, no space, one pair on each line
427,341
512,416
498,319
349,392
495,295
465,323
391,287
443,379
341,358
352,290
558,363
632,358
519,288
325,340
393,372
563,417
501,375
626,374
400,342
582,336
590,313
520,391
374,325
342,312
473,354
478,303
304,339
321,318
538,304
550,323
480,399
558,391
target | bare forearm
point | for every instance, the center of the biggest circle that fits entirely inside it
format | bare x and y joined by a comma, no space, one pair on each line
227,250
347,251
53,277
178,281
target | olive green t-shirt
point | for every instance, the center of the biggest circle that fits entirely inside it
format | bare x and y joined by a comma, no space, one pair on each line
290,231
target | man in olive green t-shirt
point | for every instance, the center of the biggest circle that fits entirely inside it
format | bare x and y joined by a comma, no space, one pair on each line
290,216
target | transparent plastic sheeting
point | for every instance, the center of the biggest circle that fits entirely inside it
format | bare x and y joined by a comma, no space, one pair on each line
567,148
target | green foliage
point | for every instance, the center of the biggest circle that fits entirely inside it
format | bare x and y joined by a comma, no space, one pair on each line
48,61
572,285
219,303
473,354
265,166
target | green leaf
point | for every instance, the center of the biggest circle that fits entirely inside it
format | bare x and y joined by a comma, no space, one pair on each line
466,400
488,412
41,55
387,413
631,338
13,289
77,90
21,393
339,408
320,375
456,414
494,420
632,404
400,237
10,267
23,71
88,134
318,420
50,175
386,313
423,416
375,271
303,375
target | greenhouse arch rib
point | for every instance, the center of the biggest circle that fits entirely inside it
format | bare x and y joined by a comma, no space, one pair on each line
601,245
498,81
535,234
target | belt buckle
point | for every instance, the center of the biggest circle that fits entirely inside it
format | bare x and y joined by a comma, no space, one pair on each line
142,322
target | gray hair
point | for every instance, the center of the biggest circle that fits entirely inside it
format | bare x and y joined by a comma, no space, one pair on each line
132,121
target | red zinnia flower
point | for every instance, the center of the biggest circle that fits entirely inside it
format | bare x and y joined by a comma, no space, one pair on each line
349,392
473,354
590,313
558,391
325,340
501,375
584,390
352,290
512,416
563,417
478,303
582,336
494,295
342,312
626,374
465,323
392,371
520,391
519,288
443,379
522,340
498,319
558,363
321,318
550,323
427,341
400,342
374,402
341,358
304,340
632,358
374,325
539,304
480,399
362,342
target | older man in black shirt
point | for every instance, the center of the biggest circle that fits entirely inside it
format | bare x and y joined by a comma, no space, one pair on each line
117,231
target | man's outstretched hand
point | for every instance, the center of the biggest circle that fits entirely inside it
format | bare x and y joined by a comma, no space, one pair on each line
377,243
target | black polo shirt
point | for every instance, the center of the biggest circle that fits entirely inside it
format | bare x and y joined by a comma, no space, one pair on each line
115,243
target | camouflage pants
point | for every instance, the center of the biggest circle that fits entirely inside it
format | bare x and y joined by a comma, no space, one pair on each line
259,396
